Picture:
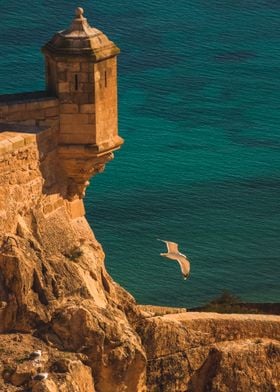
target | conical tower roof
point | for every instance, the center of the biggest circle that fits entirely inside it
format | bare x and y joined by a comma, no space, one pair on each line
81,39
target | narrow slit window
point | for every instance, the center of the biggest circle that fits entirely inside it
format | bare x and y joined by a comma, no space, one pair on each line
76,82
105,78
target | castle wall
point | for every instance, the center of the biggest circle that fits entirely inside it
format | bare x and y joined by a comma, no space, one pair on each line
30,109
27,175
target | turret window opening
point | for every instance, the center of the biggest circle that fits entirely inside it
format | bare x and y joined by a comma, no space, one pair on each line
76,82
105,78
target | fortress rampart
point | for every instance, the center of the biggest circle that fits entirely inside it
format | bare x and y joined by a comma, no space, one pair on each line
35,109
28,175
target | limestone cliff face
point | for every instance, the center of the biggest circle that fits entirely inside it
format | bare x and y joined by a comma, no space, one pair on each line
55,295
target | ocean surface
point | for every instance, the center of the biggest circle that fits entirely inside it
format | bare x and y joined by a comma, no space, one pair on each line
199,109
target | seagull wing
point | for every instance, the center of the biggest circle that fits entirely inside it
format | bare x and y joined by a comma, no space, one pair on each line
184,264
172,247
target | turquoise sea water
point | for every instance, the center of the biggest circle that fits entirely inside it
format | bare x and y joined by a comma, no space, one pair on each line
199,108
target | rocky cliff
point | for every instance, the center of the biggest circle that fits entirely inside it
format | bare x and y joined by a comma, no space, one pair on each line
56,296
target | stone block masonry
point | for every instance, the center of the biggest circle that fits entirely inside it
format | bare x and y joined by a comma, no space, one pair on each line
25,172
35,109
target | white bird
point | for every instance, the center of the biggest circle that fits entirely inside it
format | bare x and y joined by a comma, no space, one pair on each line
174,254
41,376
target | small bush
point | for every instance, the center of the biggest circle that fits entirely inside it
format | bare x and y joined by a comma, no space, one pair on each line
226,302
74,254
226,298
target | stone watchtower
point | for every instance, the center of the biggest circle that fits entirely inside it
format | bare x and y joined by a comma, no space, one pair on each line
81,71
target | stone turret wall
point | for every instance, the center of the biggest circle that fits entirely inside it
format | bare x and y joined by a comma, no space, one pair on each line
106,101
34,108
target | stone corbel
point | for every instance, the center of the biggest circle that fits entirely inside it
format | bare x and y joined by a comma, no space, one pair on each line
79,166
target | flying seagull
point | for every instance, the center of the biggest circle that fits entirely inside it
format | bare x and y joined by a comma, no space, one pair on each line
174,254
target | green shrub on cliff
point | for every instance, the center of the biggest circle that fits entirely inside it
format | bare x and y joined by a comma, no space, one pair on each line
74,254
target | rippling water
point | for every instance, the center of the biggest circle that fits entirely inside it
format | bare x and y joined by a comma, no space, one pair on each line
199,108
